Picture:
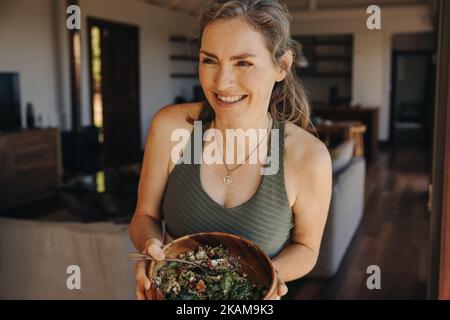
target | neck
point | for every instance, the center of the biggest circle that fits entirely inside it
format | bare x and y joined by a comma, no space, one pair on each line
241,147
257,121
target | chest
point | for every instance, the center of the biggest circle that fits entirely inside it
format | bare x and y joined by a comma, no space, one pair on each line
245,183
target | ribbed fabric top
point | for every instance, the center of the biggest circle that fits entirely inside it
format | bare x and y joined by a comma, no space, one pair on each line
266,218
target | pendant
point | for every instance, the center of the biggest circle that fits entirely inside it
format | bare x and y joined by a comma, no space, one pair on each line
227,179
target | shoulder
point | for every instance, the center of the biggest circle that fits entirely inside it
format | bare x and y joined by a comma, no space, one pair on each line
165,122
302,145
169,119
175,116
306,155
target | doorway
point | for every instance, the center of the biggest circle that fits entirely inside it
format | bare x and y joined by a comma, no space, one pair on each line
114,84
412,99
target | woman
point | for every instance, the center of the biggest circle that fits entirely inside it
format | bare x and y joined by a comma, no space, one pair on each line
246,73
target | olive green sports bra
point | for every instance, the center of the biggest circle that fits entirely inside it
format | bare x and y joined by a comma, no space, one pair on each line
266,218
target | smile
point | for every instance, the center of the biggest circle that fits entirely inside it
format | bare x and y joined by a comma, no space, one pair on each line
230,99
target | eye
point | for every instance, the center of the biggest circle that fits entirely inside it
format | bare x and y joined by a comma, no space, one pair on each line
244,64
207,61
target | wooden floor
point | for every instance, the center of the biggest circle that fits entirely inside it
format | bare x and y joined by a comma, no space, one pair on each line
394,233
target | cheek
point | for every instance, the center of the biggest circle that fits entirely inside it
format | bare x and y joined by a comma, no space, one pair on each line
259,83
256,82
206,76
202,72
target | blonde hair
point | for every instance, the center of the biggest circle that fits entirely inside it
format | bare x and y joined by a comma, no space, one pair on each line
271,17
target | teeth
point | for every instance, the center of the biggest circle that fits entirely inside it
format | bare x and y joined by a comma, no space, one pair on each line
230,99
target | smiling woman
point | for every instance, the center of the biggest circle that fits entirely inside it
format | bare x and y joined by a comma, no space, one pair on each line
265,45
246,73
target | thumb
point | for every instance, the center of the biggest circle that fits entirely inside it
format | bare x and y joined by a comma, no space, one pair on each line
282,287
154,249
156,252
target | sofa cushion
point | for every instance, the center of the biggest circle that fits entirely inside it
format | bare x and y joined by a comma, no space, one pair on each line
341,155
35,255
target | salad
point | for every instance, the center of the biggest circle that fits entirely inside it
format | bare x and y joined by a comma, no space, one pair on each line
224,280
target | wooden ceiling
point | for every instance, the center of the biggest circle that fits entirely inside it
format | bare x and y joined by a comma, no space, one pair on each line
193,6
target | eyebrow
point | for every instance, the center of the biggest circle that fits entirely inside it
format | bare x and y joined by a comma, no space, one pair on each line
238,57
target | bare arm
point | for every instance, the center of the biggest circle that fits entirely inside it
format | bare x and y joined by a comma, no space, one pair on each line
145,224
145,227
310,209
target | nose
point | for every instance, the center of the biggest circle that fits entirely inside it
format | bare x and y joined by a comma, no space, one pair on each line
225,78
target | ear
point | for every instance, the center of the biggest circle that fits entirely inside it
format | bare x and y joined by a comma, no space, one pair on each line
285,65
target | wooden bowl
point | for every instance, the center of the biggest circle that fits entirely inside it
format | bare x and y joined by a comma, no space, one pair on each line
253,260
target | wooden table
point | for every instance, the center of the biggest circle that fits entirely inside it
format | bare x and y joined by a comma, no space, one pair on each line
334,132
365,115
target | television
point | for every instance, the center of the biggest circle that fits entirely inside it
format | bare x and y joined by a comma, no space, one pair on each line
10,119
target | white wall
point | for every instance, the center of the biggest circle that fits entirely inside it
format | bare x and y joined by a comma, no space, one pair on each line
372,49
28,47
155,24
368,67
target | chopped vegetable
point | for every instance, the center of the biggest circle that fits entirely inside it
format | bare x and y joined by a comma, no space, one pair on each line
224,280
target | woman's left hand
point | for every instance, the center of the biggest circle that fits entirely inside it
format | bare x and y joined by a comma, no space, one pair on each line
282,288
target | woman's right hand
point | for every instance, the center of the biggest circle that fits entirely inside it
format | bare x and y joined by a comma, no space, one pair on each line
153,248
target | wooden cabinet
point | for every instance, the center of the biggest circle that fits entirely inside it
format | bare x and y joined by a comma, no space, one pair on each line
327,55
183,50
327,74
30,166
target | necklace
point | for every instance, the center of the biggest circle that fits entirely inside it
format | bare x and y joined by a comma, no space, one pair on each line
227,179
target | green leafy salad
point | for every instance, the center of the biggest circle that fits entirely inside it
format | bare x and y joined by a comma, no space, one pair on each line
224,279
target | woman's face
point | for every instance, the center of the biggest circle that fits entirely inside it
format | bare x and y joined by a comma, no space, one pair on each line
236,69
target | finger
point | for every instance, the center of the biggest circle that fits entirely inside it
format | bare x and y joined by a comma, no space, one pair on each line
154,241
155,251
141,275
282,287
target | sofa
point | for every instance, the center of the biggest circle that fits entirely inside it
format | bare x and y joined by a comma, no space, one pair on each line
344,217
36,259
